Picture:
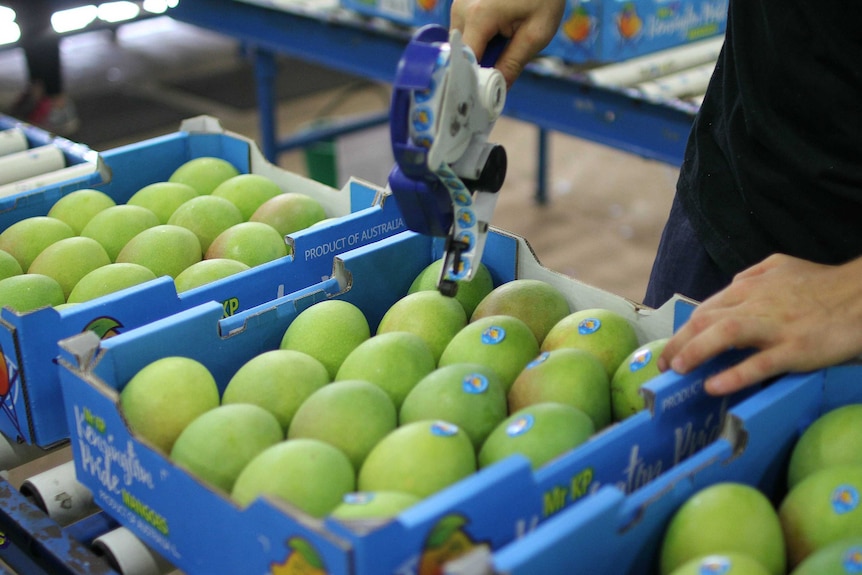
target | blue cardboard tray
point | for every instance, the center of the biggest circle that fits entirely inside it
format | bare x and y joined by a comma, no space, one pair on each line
168,508
32,410
619,533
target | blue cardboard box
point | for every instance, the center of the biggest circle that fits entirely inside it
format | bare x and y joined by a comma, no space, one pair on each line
32,409
596,31
413,13
616,533
170,509
82,167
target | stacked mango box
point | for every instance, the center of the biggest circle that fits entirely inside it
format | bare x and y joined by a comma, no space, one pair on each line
29,330
604,31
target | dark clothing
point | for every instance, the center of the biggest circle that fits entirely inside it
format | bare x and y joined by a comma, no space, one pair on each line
774,160
682,265
40,43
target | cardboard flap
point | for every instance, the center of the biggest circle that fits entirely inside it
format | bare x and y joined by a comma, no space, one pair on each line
82,348
202,123
660,398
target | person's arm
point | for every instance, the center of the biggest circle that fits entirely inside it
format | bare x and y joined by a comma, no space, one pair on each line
529,24
797,315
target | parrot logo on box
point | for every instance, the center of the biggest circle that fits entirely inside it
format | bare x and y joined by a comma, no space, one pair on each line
446,541
302,559
104,327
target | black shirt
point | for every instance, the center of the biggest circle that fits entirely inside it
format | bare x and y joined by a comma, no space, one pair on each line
774,159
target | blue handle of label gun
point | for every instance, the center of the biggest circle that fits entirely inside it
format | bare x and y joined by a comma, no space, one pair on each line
414,73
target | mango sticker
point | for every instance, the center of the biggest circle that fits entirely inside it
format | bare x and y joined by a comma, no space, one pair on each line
422,96
475,383
443,429
423,118
462,198
640,360
589,326
467,239
493,335
466,217
852,560
845,498
715,565
520,425
543,357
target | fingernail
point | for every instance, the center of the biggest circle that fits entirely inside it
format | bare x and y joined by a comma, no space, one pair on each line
661,364
714,385
678,365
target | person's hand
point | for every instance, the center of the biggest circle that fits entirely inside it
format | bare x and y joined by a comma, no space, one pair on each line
529,25
796,315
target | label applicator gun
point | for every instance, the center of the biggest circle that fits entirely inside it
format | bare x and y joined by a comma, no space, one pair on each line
447,175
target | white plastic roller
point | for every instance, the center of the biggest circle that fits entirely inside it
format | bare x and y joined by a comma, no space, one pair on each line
129,555
58,492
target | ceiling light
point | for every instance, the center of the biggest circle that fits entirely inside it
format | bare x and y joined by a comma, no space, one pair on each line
9,33
118,11
73,18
